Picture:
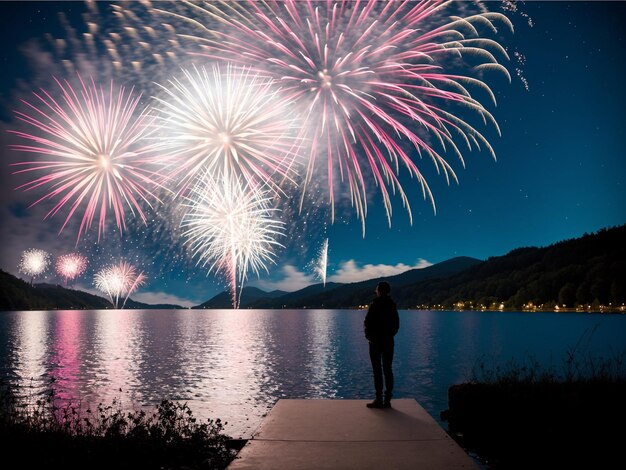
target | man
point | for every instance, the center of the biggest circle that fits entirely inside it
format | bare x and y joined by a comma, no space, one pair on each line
381,325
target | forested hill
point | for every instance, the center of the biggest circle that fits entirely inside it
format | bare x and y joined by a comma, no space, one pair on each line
15,294
590,270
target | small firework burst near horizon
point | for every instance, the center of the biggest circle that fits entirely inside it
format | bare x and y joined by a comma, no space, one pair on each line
34,262
227,121
119,282
90,153
70,266
381,85
320,263
231,228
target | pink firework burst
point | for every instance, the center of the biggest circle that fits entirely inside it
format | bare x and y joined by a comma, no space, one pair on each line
381,84
70,266
90,148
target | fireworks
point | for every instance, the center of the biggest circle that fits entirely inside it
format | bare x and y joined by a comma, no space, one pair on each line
231,228
70,266
380,83
119,282
227,122
34,262
320,263
90,148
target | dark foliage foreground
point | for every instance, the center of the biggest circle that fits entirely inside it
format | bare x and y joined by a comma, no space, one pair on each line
42,434
521,417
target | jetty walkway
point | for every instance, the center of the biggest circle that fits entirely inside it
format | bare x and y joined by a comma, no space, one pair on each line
345,434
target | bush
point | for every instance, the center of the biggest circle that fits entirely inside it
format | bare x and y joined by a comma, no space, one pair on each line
522,415
41,432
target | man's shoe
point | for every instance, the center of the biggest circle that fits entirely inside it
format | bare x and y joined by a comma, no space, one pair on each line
387,401
377,403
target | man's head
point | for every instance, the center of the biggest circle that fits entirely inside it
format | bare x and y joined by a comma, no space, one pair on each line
383,288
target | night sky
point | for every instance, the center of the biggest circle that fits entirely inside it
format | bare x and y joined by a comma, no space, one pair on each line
559,170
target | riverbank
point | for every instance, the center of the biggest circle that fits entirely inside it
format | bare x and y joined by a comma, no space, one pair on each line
526,418
42,433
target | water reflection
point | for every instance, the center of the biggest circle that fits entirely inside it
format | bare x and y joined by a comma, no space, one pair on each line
29,356
112,356
236,364
63,354
321,353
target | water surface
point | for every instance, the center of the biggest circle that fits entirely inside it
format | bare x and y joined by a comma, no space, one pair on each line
236,364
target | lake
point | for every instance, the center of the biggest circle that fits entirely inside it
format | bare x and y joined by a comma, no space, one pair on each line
235,365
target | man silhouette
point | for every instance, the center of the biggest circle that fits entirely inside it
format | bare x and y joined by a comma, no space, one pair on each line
381,325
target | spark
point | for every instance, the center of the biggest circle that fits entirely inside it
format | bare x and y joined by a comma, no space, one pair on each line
320,263
231,228
91,153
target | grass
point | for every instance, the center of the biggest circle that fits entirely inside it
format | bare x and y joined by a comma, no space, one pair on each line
523,415
44,432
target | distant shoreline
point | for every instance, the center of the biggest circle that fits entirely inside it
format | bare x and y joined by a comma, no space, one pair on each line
605,310
620,309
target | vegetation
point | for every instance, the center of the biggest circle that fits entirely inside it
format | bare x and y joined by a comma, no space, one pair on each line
585,272
16,294
42,433
523,416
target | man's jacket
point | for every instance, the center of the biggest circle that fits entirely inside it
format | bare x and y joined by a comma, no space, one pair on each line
382,321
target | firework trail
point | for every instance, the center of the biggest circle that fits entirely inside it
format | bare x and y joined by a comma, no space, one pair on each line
230,227
320,263
112,41
227,122
91,149
34,262
378,81
70,266
119,282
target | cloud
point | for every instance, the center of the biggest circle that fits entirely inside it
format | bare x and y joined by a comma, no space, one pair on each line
349,271
293,280
162,298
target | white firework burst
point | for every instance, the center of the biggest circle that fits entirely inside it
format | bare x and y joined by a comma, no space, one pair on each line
119,282
34,262
231,228
231,121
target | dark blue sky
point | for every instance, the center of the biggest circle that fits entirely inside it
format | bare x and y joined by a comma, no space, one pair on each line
559,173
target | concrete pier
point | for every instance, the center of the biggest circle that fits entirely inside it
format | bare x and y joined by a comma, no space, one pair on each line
345,434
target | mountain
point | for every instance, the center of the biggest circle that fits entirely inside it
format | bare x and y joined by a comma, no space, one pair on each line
248,295
336,295
590,270
16,294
